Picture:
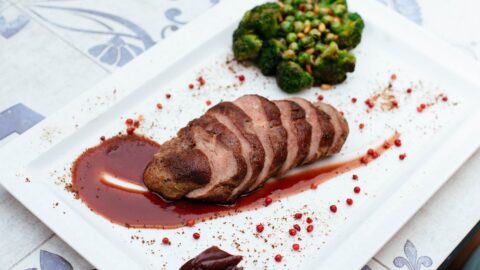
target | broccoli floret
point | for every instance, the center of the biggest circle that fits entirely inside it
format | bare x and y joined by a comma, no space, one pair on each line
332,65
292,78
263,19
270,56
349,31
247,47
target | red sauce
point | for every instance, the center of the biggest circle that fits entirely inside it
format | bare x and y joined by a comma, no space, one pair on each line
126,157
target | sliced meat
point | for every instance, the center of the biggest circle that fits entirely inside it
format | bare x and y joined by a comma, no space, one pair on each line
268,127
340,126
299,133
177,169
235,147
223,149
322,130
241,125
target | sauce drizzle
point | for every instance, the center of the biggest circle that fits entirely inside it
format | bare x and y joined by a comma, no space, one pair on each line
126,157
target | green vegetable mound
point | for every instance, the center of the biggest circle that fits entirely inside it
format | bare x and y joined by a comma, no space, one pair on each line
301,42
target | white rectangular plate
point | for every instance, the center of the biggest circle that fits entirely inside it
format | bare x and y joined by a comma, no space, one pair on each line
436,141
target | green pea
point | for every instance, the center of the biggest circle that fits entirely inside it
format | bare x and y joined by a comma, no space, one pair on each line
294,46
327,19
288,55
290,18
287,2
304,57
298,26
308,6
329,37
315,33
291,37
307,42
298,2
339,9
316,22
320,47
309,15
287,26
300,16
288,9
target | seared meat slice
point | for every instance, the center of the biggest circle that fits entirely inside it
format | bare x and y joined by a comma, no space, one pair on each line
226,160
268,127
340,127
215,152
241,125
322,130
235,147
177,169
299,133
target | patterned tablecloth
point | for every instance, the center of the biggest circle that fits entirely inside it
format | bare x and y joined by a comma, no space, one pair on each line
52,50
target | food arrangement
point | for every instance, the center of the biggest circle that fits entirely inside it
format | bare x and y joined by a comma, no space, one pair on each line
236,146
300,42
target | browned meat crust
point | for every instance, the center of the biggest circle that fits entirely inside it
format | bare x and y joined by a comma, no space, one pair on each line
240,124
236,146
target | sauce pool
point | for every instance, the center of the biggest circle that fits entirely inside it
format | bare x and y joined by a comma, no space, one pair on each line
126,157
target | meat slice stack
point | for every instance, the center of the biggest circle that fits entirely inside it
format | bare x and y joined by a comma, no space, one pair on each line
236,146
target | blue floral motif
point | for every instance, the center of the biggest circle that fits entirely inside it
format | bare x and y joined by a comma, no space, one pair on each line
411,261
120,48
17,119
115,51
172,14
366,267
52,261
9,29
408,8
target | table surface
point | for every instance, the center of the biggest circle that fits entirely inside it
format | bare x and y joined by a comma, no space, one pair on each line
53,50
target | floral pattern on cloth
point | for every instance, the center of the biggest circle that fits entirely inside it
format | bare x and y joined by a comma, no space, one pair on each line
411,259
52,261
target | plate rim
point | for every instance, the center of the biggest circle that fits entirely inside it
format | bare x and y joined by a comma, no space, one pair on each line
87,242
